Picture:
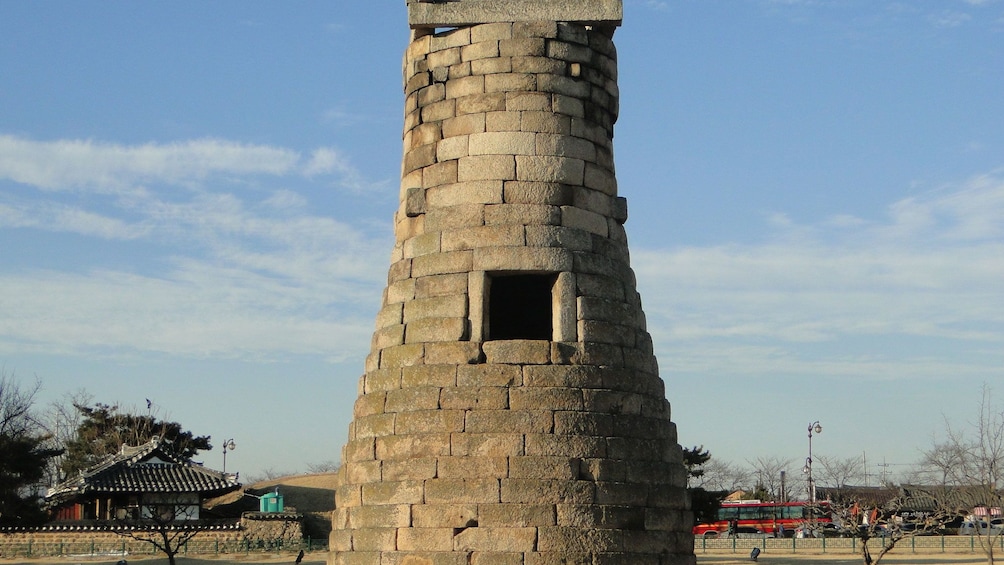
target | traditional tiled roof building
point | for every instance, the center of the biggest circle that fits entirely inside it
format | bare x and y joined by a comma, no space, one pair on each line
142,482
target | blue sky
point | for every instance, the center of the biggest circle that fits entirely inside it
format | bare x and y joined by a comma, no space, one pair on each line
196,203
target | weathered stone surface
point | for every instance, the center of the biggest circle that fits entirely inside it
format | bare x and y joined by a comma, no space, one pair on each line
483,236
388,336
496,558
425,539
451,491
496,31
422,245
496,539
414,469
502,143
401,355
471,12
429,421
444,515
467,86
460,353
445,306
578,218
522,214
430,375
517,352
508,82
473,108
382,380
545,398
476,192
394,515
501,375
400,492
438,285
440,173
469,119
487,167
374,425
545,259
502,121
473,397
413,398
473,467
402,447
453,217
442,263
550,445
513,421
545,123
547,168
491,444
565,468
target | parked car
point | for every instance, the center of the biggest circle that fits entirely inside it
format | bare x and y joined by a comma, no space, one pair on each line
980,527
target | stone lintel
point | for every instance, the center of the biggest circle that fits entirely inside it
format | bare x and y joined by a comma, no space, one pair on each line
424,14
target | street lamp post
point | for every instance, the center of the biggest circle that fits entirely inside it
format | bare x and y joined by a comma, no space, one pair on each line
228,445
813,427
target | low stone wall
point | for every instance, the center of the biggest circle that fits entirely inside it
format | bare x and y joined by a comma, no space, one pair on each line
284,527
253,532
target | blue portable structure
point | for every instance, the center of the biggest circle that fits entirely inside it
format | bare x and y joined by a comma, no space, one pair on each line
271,502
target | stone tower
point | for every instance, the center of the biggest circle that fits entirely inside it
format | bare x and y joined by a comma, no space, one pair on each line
511,411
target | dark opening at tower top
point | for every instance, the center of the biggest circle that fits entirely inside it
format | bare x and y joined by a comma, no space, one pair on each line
519,306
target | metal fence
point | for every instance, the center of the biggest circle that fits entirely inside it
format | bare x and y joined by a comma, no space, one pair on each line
916,544
110,548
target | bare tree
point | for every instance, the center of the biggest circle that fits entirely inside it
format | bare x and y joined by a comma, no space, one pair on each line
329,466
165,521
720,475
940,465
890,521
980,469
62,420
24,453
969,464
17,416
768,474
837,472
267,474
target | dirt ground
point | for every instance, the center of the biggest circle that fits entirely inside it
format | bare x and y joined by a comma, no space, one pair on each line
844,559
319,558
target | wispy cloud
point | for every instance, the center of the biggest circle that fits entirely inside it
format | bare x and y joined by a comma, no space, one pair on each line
198,311
52,216
221,270
658,5
949,18
932,270
114,168
111,168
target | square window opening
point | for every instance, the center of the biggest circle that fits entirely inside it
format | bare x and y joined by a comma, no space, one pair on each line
520,306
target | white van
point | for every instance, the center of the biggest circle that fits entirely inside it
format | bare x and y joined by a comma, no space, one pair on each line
980,527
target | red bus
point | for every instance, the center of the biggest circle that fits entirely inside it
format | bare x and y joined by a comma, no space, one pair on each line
755,517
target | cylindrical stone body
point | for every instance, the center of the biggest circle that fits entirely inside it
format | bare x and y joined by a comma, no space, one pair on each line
511,409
